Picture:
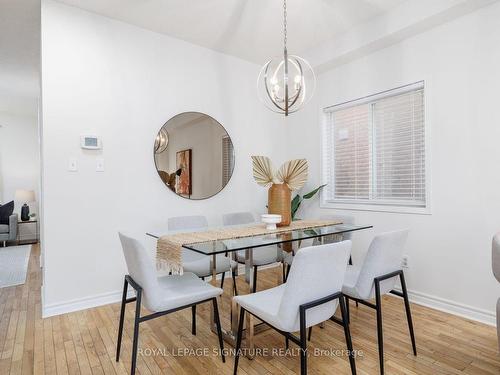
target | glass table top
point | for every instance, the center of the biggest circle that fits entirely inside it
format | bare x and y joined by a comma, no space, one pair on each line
223,246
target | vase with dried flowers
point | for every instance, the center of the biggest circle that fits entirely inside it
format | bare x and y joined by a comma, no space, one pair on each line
291,176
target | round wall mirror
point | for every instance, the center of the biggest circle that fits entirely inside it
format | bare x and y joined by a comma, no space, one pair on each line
194,155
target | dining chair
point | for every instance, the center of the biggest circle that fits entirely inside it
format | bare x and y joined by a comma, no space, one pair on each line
495,261
310,296
199,264
377,276
261,256
344,219
160,295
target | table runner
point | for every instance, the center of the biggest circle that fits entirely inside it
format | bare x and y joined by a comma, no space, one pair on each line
169,247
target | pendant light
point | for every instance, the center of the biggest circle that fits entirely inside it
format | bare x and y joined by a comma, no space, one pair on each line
161,141
286,83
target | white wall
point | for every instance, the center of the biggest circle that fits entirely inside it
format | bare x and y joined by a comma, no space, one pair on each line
449,250
123,83
19,156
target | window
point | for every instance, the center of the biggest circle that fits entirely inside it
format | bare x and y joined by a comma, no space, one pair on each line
374,150
227,160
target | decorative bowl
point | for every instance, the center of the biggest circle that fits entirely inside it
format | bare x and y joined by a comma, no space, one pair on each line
271,220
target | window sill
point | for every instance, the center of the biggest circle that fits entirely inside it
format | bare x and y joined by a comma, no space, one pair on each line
377,208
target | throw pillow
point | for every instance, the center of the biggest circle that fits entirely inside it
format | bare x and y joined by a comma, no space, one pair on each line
5,211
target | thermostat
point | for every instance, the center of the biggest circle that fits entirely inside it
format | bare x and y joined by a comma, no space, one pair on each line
90,142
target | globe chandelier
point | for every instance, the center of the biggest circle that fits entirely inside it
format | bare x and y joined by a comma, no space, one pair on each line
286,83
161,141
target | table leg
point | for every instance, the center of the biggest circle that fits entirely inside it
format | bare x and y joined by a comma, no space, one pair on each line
280,256
249,332
234,257
235,316
214,283
249,268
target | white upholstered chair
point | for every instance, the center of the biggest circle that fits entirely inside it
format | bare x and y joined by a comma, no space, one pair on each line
310,296
377,276
344,219
160,295
199,264
495,250
261,256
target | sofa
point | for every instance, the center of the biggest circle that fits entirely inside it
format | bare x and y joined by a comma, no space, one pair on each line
9,232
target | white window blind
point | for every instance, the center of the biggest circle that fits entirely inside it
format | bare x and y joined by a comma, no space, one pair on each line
374,149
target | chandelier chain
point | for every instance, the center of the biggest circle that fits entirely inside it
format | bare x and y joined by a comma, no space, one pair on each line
284,23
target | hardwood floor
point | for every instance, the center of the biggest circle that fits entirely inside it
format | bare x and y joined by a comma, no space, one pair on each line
84,342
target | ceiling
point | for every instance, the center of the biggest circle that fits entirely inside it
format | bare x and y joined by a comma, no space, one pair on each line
19,56
249,29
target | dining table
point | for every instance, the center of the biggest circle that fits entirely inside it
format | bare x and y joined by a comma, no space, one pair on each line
286,242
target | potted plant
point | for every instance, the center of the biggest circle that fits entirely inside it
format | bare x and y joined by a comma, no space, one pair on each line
291,176
297,200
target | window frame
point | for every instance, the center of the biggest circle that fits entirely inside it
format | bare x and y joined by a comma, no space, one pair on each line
396,207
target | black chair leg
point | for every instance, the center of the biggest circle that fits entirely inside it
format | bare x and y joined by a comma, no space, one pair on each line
408,312
238,341
345,321
284,272
222,281
348,310
122,318
193,320
287,343
357,304
235,289
136,332
303,342
288,270
219,329
310,333
254,279
380,333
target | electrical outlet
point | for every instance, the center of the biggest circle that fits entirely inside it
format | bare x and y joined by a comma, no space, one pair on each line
404,262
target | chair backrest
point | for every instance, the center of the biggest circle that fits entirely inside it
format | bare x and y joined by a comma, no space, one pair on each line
187,222
142,269
495,255
384,256
345,219
238,218
316,272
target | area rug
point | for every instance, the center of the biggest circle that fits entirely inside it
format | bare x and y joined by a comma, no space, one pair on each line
14,265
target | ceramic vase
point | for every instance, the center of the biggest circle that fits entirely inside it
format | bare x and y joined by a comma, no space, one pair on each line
279,203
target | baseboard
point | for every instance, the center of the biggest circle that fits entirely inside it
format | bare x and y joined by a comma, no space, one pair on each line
451,307
84,303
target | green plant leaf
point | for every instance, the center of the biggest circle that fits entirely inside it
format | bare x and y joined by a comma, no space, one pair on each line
313,193
295,205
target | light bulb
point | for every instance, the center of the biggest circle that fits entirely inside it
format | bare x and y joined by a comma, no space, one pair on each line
298,79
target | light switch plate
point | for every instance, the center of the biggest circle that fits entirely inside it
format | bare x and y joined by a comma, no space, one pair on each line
99,165
72,165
